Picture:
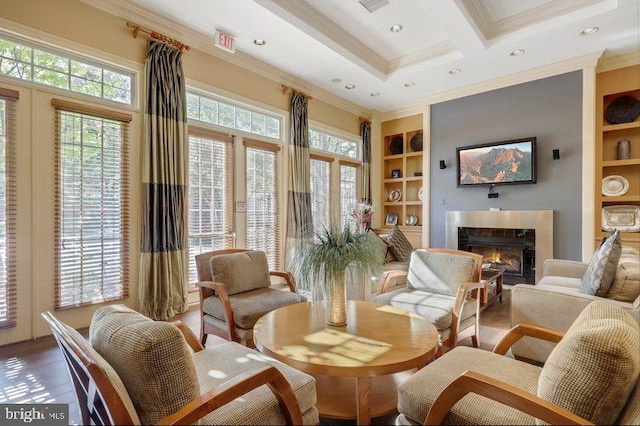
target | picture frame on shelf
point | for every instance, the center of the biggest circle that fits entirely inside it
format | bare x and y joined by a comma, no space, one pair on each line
396,174
392,219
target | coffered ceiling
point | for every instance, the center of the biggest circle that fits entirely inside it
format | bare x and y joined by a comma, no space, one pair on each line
329,44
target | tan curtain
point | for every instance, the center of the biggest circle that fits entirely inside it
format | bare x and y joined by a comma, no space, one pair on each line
299,224
163,261
365,132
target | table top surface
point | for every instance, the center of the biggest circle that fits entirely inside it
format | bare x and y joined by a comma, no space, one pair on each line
378,339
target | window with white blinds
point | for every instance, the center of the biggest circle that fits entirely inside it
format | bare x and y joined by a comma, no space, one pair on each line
263,230
8,290
320,195
348,192
210,194
92,205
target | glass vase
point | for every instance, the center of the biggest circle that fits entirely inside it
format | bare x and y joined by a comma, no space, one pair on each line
336,302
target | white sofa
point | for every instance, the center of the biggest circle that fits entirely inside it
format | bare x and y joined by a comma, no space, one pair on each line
556,301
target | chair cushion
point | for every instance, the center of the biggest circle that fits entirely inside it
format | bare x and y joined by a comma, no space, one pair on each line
249,306
439,272
601,269
594,368
626,284
434,307
399,245
241,272
558,281
151,358
418,392
107,369
259,407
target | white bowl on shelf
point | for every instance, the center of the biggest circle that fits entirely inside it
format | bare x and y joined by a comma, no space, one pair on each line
614,186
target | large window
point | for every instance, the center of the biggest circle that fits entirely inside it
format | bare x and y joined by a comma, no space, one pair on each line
263,230
27,61
8,288
334,164
92,217
210,110
210,195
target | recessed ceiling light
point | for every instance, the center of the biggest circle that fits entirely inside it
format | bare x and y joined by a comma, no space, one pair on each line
336,80
396,28
350,86
588,31
455,71
259,42
374,94
517,52
409,84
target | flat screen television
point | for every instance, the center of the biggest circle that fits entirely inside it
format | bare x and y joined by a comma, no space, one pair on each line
497,163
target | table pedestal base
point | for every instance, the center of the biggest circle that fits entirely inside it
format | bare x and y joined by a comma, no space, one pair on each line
338,396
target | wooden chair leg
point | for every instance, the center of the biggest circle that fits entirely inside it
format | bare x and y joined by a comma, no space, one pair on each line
203,335
474,341
441,350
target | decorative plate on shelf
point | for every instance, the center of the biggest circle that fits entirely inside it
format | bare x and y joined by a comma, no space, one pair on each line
614,186
622,218
395,146
411,220
395,195
624,109
416,142
420,194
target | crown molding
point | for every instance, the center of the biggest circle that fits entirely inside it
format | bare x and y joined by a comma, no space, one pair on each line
400,113
611,63
128,10
556,68
444,50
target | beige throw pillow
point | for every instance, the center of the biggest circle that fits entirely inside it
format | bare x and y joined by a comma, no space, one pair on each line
601,270
240,272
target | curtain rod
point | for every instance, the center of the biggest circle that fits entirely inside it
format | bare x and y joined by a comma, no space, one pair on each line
286,89
156,35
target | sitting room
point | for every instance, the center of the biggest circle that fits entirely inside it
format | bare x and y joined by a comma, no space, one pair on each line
319,212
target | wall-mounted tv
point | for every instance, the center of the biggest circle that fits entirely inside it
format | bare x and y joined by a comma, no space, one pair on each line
497,163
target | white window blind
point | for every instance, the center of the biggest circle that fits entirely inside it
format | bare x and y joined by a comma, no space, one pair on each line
92,205
210,195
320,195
263,207
8,284
348,191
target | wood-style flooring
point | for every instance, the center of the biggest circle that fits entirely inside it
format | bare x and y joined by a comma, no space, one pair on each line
34,371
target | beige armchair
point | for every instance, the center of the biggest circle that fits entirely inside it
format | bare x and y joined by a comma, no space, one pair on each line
439,283
556,301
140,371
590,377
235,291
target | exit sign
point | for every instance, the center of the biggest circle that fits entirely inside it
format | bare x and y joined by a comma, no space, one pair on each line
225,41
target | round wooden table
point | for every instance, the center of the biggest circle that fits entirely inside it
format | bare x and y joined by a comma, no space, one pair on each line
357,367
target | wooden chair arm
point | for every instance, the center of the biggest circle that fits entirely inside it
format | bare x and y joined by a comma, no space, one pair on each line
288,278
388,276
472,382
191,338
461,296
520,330
221,292
236,387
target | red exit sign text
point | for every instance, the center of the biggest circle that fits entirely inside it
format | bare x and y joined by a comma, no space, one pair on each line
225,41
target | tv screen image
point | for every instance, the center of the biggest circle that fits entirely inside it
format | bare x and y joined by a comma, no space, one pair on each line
497,163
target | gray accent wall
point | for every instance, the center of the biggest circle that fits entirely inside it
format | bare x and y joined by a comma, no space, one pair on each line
549,109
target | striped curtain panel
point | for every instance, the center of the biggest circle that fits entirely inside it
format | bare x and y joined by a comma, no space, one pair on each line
300,224
365,131
163,261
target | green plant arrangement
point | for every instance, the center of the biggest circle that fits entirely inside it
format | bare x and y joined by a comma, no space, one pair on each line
325,262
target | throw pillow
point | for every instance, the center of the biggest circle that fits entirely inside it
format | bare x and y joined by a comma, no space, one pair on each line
626,284
383,248
399,245
240,272
151,357
601,270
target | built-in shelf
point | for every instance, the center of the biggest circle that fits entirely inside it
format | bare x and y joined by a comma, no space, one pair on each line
621,199
617,163
623,126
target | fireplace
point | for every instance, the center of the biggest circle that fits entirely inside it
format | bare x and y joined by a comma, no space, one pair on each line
509,250
526,234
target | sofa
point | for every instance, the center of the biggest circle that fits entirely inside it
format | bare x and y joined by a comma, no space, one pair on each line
556,301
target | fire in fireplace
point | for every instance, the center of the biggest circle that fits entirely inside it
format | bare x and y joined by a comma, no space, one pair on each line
511,251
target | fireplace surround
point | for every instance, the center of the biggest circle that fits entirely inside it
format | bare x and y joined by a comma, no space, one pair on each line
541,221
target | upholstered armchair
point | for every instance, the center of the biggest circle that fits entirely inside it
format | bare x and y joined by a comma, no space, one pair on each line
140,371
439,287
591,377
235,291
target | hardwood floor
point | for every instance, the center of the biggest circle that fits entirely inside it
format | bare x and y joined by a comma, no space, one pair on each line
35,372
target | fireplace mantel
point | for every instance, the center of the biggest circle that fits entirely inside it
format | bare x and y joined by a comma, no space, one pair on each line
540,220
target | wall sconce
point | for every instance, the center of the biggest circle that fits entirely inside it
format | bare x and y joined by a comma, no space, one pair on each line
556,154
442,164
